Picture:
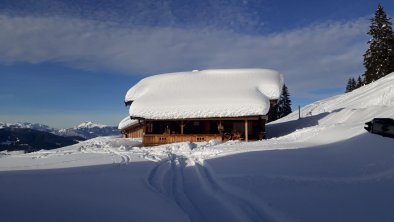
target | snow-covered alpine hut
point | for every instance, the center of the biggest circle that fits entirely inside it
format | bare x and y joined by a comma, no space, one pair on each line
198,106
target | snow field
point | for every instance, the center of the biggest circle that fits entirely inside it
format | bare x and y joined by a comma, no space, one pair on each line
190,182
324,167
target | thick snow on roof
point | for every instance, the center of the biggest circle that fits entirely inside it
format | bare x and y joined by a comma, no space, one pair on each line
126,123
207,93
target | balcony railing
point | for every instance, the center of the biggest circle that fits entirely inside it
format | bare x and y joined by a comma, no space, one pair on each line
157,139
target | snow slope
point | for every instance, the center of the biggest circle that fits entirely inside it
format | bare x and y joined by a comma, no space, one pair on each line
343,115
323,167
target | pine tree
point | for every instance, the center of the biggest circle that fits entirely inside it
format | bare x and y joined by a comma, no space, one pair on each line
379,58
353,84
282,108
359,82
284,103
349,86
272,114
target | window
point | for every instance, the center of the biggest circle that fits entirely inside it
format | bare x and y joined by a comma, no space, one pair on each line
149,127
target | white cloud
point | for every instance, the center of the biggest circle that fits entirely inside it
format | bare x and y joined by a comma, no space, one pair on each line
313,57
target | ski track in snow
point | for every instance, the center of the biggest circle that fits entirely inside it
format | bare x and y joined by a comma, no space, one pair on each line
189,181
182,176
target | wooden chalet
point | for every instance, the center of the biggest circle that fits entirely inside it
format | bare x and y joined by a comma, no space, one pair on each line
213,116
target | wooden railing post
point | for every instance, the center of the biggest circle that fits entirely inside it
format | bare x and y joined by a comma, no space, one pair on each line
246,130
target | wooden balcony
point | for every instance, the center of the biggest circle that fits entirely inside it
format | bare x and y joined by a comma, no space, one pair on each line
158,139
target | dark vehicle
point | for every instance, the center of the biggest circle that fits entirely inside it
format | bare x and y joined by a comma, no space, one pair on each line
381,126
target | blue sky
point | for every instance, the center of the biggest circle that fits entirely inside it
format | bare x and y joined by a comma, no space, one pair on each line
67,61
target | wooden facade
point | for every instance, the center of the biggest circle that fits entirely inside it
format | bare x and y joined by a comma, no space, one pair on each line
158,139
136,131
156,132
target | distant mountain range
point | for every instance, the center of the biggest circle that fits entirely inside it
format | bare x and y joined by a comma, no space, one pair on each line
35,126
85,130
34,136
88,130
30,140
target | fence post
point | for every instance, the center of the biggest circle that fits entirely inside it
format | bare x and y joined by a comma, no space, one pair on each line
299,112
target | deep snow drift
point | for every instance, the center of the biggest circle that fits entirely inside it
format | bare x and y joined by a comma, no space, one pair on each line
206,93
323,167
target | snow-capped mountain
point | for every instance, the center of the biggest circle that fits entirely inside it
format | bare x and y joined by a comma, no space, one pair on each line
85,129
34,136
88,124
89,130
29,140
25,125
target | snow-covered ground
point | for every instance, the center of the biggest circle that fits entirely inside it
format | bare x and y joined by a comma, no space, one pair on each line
323,167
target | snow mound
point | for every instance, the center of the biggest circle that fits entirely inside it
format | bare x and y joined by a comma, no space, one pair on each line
207,93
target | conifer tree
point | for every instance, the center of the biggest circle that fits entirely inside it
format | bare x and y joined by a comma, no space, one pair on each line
284,103
359,82
349,86
282,108
272,114
353,84
379,58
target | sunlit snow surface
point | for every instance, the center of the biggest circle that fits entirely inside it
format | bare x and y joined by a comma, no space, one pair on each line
127,122
323,167
206,93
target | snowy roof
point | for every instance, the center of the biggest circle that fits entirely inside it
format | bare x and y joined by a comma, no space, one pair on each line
127,122
207,93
